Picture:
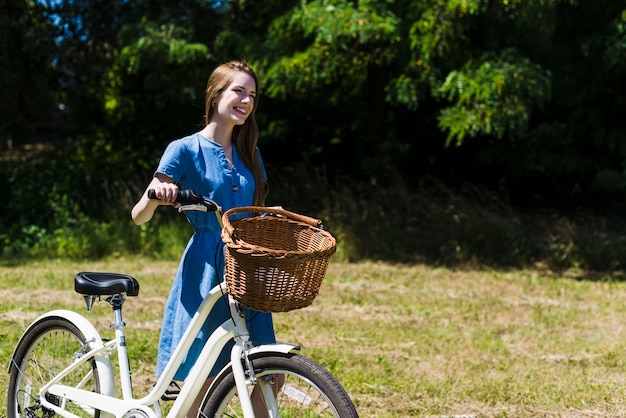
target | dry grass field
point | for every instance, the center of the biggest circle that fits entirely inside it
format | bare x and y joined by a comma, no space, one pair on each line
405,340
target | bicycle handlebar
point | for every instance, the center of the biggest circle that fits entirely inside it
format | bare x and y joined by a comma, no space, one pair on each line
189,197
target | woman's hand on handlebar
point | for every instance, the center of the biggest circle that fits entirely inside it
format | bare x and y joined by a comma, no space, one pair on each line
166,193
167,190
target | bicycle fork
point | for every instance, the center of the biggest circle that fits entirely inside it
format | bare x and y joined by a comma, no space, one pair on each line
240,352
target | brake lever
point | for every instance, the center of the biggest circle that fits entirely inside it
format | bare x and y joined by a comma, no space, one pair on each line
194,207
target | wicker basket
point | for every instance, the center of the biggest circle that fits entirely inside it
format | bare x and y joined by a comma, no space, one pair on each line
275,259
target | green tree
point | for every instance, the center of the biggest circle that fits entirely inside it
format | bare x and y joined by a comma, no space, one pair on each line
526,89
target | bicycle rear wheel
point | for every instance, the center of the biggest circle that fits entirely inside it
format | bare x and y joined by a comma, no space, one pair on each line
47,348
308,390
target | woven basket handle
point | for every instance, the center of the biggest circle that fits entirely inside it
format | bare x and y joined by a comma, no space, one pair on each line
261,209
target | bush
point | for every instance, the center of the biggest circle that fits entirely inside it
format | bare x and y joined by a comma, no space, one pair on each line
436,224
433,223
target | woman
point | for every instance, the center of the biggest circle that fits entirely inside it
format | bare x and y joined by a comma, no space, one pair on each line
222,163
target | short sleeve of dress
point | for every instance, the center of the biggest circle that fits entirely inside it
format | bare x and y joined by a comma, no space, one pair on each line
173,160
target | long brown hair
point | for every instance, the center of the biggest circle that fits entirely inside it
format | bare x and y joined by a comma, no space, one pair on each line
246,136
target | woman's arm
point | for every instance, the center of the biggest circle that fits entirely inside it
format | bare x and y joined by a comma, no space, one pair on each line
165,190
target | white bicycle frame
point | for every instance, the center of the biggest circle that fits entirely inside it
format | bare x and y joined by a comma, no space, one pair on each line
111,406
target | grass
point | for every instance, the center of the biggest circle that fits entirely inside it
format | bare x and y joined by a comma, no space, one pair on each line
404,340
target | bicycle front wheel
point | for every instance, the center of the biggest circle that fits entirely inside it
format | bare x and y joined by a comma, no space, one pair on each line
47,348
301,388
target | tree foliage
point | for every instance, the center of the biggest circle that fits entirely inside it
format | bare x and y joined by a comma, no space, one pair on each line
493,96
535,85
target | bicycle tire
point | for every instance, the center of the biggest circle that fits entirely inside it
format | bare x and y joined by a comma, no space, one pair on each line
47,348
309,390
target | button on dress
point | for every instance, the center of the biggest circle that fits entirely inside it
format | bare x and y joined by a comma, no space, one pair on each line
197,163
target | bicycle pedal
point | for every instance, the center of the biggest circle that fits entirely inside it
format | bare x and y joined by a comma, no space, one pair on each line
171,393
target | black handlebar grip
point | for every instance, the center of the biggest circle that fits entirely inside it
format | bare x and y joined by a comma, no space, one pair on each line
189,197
152,194
184,197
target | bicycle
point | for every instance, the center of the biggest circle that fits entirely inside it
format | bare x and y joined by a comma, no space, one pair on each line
62,366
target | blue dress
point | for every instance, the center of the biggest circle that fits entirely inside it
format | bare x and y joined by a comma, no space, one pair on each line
197,163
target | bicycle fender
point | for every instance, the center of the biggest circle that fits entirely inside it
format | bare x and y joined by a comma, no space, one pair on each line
274,348
103,363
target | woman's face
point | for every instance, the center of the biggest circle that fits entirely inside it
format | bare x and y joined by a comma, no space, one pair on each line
236,102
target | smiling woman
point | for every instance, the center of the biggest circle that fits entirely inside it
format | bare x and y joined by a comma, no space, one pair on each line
222,163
